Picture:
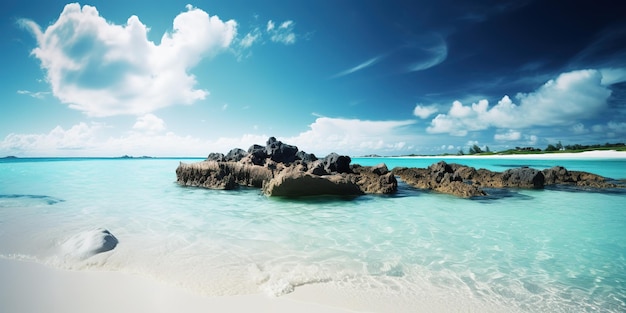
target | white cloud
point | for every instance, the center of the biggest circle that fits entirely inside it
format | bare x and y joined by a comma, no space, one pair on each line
579,128
36,95
433,51
282,34
510,135
104,69
570,97
351,136
148,137
58,141
358,67
149,123
270,26
249,39
424,112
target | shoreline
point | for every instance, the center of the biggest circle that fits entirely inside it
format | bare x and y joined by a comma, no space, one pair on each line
29,286
33,287
585,155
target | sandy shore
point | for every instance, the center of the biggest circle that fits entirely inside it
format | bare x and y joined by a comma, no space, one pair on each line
30,287
596,154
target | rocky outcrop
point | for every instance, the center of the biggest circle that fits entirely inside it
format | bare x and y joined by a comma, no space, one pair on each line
282,170
221,175
467,182
440,177
558,175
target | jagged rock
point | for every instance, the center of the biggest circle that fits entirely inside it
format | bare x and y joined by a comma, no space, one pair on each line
439,177
219,157
280,152
559,175
375,179
257,154
281,169
523,177
335,163
465,181
235,155
317,168
306,157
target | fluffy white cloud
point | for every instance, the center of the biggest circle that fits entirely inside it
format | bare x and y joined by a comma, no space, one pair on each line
284,33
104,69
570,97
424,112
58,141
351,136
510,135
149,123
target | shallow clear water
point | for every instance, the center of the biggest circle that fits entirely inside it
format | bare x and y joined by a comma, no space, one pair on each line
524,250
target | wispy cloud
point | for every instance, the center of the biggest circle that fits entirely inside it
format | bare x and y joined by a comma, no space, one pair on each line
37,95
430,54
359,67
284,33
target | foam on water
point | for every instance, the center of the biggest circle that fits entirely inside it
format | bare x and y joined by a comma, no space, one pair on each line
527,251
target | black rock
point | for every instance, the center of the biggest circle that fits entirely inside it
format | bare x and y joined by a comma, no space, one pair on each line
280,152
335,163
306,157
219,157
235,155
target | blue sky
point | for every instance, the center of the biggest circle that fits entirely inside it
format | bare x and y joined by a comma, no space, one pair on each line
108,78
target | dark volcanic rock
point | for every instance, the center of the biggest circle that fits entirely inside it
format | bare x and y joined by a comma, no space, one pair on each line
306,157
439,177
280,152
335,163
523,177
464,181
219,157
558,175
235,155
257,154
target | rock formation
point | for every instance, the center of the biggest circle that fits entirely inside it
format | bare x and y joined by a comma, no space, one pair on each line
282,170
467,182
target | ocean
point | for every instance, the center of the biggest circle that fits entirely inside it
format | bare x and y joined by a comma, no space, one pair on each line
552,250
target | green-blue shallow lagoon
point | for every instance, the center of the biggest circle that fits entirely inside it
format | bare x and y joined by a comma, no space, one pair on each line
553,250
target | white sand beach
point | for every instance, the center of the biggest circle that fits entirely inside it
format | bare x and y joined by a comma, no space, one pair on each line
595,154
32,287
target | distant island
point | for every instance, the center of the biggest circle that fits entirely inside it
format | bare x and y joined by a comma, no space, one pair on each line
9,157
132,157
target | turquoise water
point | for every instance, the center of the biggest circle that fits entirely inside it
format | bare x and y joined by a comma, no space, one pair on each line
549,250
